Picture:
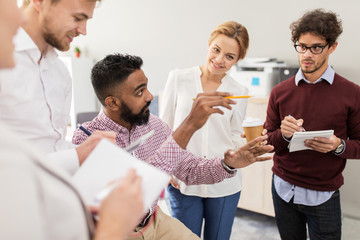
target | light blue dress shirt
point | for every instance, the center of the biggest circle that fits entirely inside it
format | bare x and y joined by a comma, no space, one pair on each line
287,190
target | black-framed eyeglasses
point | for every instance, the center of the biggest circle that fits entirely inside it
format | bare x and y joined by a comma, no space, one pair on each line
313,49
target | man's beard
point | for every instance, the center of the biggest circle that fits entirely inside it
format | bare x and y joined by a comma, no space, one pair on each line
316,67
54,42
135,119
51,38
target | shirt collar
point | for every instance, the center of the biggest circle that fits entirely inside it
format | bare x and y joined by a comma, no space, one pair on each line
328,76
225,78
23,42
109,123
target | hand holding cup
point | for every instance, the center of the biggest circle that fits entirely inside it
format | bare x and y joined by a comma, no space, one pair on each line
253,128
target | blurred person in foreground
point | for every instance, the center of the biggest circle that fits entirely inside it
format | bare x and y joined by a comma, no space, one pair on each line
35,95
38,200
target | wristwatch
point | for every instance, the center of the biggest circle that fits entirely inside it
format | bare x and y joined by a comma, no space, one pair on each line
227,168
339,149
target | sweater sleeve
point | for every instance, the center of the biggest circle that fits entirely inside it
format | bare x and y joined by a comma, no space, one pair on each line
352,149
272,124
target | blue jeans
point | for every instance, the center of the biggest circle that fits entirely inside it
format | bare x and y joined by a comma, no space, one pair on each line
324,221
218,213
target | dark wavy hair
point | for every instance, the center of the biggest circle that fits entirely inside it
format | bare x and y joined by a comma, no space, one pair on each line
111,71
318,22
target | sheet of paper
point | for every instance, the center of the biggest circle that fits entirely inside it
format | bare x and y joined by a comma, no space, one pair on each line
107,163
298,139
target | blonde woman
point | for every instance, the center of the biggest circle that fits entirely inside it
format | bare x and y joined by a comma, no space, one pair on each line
216,203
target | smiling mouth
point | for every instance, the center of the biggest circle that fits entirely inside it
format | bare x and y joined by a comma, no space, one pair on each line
71,36
216,65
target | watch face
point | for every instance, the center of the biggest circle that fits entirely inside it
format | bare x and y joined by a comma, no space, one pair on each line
339,148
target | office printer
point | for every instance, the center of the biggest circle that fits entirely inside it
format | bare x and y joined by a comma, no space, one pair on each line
259,75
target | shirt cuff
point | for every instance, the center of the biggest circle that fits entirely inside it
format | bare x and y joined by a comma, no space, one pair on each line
218,170
286,139
67,160
227,168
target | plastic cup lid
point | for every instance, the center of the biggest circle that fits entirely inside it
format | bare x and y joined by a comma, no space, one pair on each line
252,122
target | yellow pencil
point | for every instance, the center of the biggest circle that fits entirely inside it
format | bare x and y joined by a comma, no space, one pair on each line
244,96
231,97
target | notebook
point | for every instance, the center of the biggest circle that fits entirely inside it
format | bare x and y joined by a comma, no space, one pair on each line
298,139
106,163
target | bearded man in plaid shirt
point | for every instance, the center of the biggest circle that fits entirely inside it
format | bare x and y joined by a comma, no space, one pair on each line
121,86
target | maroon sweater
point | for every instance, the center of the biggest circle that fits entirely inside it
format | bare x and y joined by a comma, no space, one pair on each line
323,107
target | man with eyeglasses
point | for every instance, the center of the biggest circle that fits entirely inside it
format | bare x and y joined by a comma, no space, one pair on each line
306,183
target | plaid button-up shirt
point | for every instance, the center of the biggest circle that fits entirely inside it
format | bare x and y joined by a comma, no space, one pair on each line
160,150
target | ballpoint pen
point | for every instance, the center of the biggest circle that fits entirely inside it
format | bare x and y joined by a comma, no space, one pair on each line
302,128
85,130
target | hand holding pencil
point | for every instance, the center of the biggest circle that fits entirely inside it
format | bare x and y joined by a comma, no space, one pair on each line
203,106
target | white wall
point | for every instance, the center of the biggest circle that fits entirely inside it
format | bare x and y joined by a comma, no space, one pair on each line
170,34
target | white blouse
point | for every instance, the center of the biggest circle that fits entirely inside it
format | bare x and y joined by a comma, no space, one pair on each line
220,133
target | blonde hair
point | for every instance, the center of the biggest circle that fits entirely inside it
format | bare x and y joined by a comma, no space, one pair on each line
25,3
235,31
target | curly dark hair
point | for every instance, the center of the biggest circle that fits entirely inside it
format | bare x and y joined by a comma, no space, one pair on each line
111,71
318,22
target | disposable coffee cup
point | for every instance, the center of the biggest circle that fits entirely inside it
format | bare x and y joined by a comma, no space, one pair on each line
253,128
